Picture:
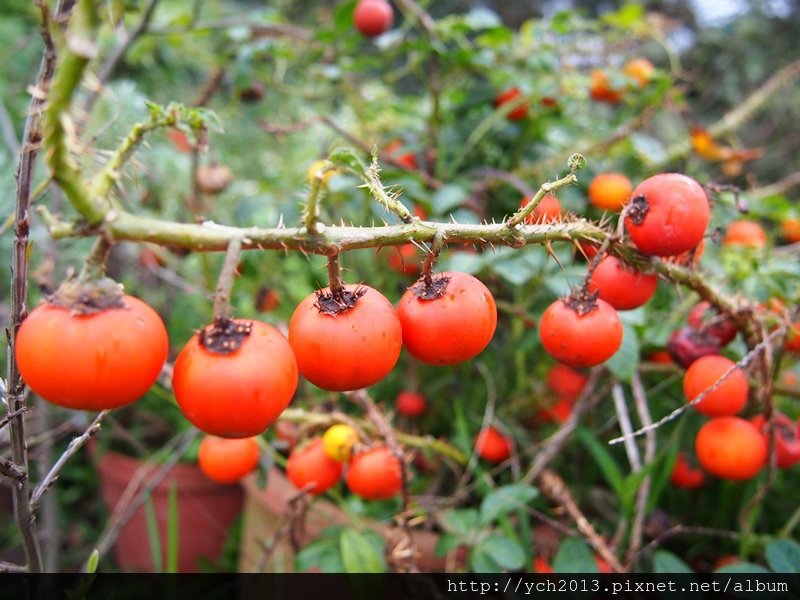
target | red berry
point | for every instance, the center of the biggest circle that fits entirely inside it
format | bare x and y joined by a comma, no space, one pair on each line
622,287
731,448
787,439
728,398
373,17
687,344
511,95
580,340
709,320
667,215
493,446
684,475
411,404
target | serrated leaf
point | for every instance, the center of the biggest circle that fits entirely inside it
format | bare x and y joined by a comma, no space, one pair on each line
783,556
505,499
574,556
358,554
667,562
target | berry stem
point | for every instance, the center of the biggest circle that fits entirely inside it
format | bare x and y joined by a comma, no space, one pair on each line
222,295
335,283
432,257
94,266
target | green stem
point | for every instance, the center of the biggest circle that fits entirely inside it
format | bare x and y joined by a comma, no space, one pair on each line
94,266
76,52
576,161
108,176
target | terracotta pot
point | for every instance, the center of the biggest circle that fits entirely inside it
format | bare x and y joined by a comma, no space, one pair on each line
264,509
205,512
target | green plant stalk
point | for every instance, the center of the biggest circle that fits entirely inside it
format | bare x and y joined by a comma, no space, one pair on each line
152,534
213,237
311,209
108,176
388,200
76,52
173,534
576,161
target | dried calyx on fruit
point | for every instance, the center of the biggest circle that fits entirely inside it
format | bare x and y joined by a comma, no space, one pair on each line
85,297
225,335
333,302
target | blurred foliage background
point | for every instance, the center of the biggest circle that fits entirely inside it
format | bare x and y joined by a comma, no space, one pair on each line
278,74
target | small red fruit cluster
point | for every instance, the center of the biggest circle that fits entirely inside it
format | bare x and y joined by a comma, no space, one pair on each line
374,474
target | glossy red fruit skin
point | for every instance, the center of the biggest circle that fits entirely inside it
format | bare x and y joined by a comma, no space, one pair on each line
92,362
787,439
240,394
706,318
373,17
684,475
310,465
510,95
375,474
225,460
580,340
731,448
566,382
351,350
687,344
619,285
492,446
728,398
676,217
411,404
452,328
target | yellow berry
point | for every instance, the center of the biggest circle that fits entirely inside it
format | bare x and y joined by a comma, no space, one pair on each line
338,442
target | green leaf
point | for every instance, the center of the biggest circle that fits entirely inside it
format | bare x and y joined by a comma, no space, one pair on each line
446,544
322,554
505,499
92,562
608,466
358,554
783,556
460,522
667,562
626,360
574,556
648,148
447,198
507,553
743,567
482,562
